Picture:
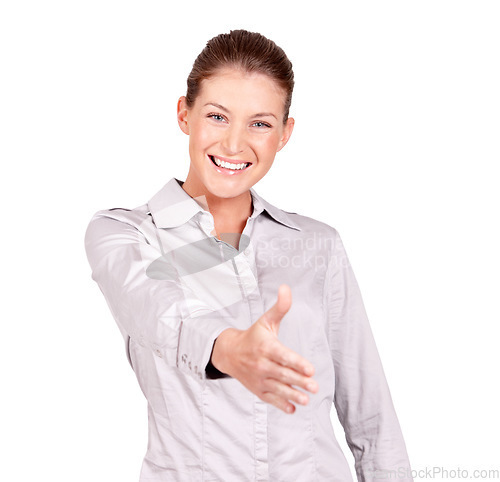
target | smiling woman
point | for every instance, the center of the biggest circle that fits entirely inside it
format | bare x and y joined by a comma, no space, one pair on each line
195,281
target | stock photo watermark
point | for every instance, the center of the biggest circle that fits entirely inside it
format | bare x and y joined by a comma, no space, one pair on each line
437,473
313,252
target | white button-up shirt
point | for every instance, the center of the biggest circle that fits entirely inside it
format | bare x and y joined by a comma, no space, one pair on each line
173,287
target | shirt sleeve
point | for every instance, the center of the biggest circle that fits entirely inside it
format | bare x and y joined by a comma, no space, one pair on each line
362,398
153,312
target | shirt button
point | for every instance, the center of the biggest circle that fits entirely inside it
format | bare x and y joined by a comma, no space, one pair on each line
158,352
247,252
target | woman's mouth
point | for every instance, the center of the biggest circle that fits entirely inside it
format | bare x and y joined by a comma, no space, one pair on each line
229,166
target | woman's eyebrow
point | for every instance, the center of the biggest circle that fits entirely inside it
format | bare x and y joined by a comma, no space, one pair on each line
265,114
221,107
225,109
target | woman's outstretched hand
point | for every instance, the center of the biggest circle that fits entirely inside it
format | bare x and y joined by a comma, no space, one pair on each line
261,363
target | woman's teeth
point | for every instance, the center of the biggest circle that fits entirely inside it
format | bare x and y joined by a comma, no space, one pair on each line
227,165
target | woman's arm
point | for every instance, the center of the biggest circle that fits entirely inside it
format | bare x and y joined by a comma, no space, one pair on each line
153,312
362,398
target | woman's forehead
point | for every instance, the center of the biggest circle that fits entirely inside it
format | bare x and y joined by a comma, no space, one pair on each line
236,86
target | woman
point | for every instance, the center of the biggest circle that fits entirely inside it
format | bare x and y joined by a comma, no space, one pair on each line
200,280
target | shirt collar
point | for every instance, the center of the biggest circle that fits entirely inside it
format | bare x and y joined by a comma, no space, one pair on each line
277,214
172,206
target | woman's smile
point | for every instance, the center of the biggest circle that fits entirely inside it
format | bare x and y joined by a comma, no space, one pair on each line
229,166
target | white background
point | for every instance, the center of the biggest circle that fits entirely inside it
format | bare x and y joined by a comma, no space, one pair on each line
396,144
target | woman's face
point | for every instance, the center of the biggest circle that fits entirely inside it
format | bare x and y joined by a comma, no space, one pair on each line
235,129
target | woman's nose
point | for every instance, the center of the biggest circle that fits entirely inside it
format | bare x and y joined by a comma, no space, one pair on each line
233,141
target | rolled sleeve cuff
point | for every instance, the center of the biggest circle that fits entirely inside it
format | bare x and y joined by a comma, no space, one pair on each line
196,340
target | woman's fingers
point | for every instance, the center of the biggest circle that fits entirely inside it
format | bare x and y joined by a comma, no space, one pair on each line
278,402
285,392
281,386
287,375
291,368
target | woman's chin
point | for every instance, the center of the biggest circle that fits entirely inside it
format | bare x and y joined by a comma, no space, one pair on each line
227,188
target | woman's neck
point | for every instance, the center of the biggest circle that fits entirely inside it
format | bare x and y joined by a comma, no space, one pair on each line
230,214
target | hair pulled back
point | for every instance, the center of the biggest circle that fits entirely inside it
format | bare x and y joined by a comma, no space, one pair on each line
248,51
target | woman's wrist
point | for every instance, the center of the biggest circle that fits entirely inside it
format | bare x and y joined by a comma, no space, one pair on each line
221,353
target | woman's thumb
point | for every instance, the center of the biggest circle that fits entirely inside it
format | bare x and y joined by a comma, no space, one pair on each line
284,302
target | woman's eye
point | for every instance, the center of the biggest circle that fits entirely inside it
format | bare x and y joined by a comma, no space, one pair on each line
261,124
216,117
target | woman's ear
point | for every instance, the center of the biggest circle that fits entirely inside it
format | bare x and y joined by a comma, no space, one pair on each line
287,132
182,114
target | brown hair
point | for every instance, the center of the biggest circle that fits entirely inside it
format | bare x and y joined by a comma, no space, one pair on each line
249,51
